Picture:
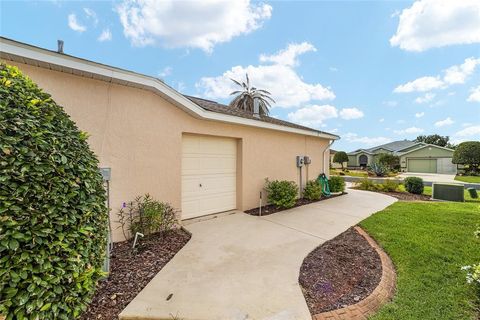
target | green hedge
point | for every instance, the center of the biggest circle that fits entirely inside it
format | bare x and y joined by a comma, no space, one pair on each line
414,185
281,193
53,219
336,184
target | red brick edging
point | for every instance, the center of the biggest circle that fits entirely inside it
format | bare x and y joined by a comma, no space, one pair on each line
382,293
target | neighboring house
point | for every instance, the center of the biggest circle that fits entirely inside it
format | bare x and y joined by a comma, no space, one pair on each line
414,157
201,156
335,165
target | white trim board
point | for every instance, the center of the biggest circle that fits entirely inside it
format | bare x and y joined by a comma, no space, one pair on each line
24,53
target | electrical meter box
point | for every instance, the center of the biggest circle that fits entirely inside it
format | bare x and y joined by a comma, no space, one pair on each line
300,160
307,160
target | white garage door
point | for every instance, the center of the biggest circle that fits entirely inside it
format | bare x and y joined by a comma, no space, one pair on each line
445,165
208,175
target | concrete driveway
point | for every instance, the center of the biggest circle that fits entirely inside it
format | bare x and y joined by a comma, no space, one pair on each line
431,177
242,267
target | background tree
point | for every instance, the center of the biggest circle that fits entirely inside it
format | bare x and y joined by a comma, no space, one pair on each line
53,218
389,160
436,139
340,157
468,153
245,98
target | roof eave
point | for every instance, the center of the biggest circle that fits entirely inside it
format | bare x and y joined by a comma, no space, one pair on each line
28,54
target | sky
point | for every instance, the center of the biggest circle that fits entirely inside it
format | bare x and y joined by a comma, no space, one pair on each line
369,71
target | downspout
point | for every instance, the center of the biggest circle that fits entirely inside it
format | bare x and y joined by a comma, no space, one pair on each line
325,170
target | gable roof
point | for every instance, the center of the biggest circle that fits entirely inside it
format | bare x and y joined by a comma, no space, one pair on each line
424,145
221,108
395,146
196,107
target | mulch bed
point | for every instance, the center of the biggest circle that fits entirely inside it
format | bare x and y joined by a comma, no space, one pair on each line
340,272
405,196
130,273
270,208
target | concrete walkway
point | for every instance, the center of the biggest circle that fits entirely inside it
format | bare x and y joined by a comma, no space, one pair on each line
242,267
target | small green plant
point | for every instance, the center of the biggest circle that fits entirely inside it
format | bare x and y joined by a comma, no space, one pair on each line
414,185
281,193
312,191
365,184
379,169
336,184
389,185
146,215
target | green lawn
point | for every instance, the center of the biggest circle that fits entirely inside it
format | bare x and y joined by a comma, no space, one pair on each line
352,173
469,179
429,243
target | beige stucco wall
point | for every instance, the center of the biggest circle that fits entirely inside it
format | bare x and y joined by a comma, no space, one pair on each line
138,134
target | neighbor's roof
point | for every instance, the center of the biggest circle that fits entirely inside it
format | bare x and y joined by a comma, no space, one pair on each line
199,108
395,146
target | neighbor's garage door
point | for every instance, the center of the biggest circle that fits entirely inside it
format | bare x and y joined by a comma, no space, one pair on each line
208,175
422,165
445,165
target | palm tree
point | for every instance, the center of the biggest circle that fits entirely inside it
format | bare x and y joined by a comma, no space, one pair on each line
247,95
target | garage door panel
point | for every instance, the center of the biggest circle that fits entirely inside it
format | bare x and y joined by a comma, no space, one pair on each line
208,175
422,165
195,164
445,165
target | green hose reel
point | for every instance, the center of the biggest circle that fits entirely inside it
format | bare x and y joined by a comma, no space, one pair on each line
323,181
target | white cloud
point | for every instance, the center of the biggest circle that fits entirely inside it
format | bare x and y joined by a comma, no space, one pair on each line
442,123
367,141
288,56
410,130
165,72
456,74
91,15
74,24
106,35
333,69
419,114
381,119
313,115
400,121
351,113
191,24
468,131
474,94
433,23
282,81
426,98
420,85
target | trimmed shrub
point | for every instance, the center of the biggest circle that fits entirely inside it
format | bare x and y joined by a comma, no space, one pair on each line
336,184
146,215
414,185
53,230
282,194
312,191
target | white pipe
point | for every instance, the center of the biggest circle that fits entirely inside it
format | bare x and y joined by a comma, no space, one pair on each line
327,162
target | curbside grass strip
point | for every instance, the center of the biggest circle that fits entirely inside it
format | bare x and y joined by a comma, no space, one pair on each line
381,295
